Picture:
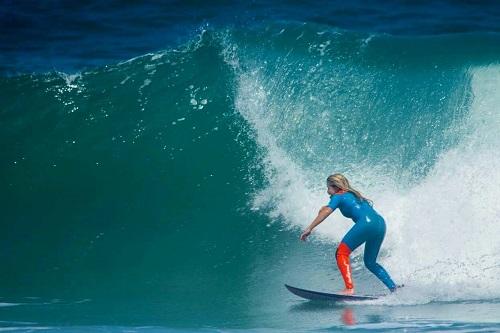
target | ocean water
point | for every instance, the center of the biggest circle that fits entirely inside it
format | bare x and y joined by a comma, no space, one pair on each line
163,187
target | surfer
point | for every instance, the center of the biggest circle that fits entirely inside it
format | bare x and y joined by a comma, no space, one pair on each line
369,227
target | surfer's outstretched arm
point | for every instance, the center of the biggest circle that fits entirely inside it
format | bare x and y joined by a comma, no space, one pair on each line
324,212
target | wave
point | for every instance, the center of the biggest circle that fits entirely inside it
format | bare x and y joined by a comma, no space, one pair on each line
191,155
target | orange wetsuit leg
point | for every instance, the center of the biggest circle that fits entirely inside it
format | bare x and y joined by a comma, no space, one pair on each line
342,256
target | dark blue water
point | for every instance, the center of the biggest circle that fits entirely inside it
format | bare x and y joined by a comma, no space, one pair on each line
71,35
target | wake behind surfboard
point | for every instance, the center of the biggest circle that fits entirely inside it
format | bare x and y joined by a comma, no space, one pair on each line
320,296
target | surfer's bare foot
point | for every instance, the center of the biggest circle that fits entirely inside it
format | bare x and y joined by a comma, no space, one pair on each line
347,292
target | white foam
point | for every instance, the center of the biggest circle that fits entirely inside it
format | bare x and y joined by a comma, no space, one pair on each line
4,304
70,79
146,83
447,233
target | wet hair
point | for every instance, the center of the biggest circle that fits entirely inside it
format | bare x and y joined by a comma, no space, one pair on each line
340,181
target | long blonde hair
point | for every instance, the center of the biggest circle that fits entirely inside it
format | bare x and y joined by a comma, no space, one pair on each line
340,181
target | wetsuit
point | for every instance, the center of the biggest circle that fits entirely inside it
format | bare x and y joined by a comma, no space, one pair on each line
369,227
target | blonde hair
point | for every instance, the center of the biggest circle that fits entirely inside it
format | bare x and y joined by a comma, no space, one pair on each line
340,181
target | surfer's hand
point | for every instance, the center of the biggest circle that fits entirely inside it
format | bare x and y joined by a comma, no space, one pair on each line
304,235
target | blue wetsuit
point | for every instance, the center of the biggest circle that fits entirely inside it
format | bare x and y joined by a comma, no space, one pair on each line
369,227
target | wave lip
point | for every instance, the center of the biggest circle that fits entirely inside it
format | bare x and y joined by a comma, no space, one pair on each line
42,37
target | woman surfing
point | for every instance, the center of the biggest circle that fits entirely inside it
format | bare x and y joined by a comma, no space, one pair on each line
369,227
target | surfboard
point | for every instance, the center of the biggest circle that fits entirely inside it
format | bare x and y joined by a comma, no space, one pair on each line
321,296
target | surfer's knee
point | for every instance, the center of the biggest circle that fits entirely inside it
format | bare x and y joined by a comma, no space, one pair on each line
371,265
343,250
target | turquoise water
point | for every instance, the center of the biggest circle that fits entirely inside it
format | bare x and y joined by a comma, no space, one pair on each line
167,192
